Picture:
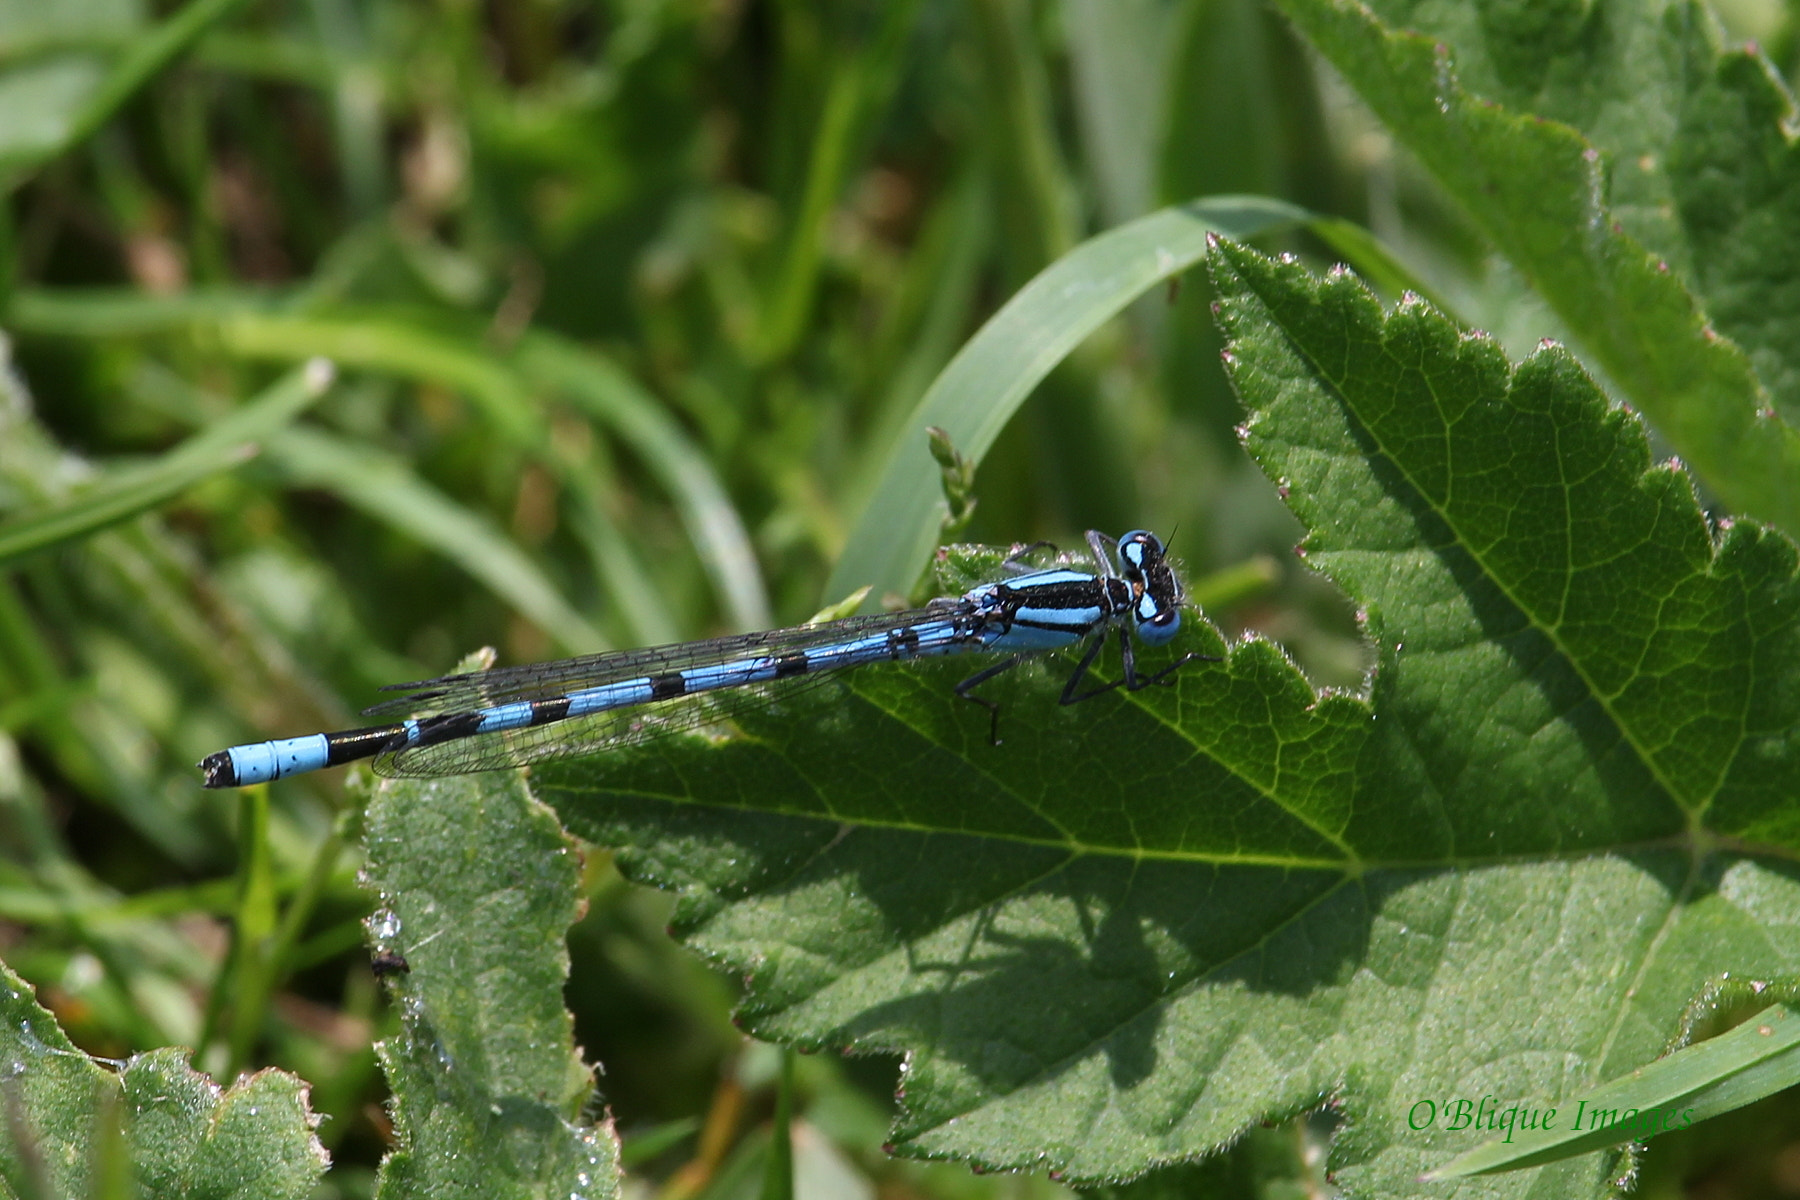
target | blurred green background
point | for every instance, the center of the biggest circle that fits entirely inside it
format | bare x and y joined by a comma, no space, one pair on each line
629,300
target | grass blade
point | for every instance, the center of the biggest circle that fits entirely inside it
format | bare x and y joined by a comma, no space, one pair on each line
147,56
611,396
1756,1059
387,490
220,447
987,381
249,325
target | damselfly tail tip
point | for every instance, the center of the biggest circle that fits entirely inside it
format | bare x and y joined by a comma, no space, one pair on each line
217,770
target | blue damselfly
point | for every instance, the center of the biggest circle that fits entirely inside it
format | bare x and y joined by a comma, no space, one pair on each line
511,716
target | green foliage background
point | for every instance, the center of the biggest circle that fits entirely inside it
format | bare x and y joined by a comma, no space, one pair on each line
630,309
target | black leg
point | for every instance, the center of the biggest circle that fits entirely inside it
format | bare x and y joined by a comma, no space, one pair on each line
1162,676
1131,680
993,706
1015,563
1102,548
1069,695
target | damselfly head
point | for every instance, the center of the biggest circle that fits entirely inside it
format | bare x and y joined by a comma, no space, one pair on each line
1144,564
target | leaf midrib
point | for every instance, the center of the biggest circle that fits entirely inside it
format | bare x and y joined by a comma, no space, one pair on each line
1351,868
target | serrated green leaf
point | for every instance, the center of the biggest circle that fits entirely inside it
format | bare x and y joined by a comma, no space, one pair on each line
1699,166
189,1139
1146,922
184,1135
1648,82
477,887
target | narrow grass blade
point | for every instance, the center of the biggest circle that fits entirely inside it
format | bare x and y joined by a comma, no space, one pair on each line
217,448
778,1169
384,488
641,1148
987,381
248,324
612,397
147,56
1756,1059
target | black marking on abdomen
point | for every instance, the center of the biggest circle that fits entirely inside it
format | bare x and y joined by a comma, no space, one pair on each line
447,728
545,711
667,687
902,642
791,664
353,744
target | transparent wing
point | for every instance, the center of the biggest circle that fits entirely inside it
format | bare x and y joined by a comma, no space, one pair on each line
591,734
575,736
545,681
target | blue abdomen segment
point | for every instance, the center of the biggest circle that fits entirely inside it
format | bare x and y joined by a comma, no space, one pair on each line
506,716
1035,637
264,761
259,762
613,695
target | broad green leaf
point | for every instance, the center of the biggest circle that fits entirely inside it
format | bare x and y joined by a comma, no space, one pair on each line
476,890
1698,166
1147,922
1758,1058
183,1134
1689,181
188,1139
124,494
